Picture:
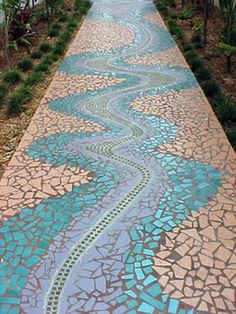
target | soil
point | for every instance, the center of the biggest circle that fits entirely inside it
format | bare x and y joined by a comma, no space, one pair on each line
215,63
12,129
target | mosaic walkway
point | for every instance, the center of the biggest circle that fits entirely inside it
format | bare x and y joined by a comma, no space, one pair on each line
121,195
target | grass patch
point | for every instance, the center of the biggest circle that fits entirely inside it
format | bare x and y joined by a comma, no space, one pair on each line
12,77
226,109
195,63
3,91
203,74
15,104
231,134
42,67
211,88
25,65
45,47
36,54
34,79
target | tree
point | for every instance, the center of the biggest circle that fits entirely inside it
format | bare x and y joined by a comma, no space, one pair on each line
10,9
52,7
228,35
207,5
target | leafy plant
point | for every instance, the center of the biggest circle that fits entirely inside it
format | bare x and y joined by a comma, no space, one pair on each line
48,60
84,6
25,65
53,32
34,78
51,9
63,18
18,99
42,67
197,24
187,47
10,9
3,92
21,29
231,134
226,109
186,13
195,63
190,54
228,35
12,77
203,74
59,49
45,47
65,37
71,25
211,88
37,54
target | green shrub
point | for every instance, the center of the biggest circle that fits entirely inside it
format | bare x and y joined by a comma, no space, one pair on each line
53,32
216,52
59,49
170,3
71,25
172,23
179,33
173,16
203,74
186,13
187,47
3,92
197,40
36,54
195,63
34,79
45,47
65,37
226,109
56,26
63,18
231,134
87,4
12,77
25,65
161,7
190,54
166,13
211,88
15,104
55,55
42,67
175,29
48,60
199,45
82,6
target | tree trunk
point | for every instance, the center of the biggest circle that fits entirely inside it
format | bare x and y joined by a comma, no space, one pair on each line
228,67
7,44
206,15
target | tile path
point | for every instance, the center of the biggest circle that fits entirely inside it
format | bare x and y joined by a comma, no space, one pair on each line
121,195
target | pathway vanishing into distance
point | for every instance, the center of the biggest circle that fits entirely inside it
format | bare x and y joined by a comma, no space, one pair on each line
121,195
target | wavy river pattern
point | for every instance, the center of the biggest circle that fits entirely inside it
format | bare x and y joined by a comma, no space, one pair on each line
109,229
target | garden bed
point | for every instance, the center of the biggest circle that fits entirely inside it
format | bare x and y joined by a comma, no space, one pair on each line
14,120
206,61
214,62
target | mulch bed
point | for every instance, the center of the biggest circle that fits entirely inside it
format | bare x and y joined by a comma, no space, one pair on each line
12,128
215,63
